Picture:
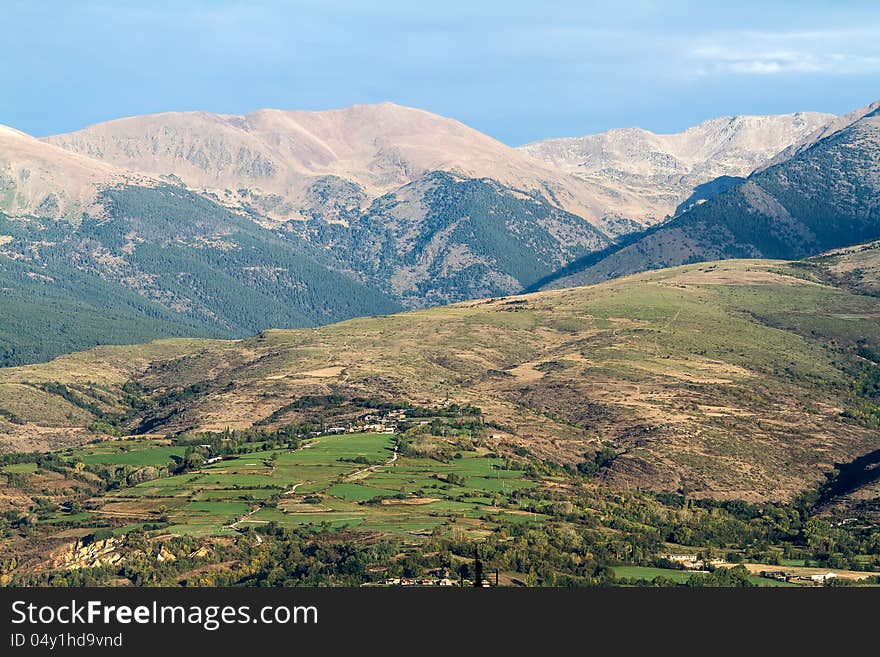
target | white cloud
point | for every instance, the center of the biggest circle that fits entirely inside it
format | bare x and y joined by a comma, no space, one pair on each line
829,52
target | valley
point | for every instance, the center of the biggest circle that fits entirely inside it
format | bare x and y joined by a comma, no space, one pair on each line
698,409
373,346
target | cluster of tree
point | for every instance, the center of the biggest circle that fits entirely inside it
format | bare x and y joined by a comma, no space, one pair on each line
603,458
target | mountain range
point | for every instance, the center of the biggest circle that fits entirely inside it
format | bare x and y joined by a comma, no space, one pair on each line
819,194
655,176
230,338
198,224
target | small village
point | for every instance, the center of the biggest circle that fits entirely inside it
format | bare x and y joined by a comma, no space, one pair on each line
385,422
388,422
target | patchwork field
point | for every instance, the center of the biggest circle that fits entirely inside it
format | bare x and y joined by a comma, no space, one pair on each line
349,480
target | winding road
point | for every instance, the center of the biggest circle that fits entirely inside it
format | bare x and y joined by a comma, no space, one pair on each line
370,468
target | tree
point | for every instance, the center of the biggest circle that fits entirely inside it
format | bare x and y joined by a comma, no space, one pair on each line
193,461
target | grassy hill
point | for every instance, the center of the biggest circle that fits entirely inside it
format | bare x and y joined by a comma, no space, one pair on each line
741,379
595,435
856,268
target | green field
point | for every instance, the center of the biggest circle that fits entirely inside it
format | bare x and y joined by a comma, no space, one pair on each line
349,480
648,573
154,455
20,468
358,492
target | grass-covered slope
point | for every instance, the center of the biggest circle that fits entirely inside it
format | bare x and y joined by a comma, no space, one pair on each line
742,379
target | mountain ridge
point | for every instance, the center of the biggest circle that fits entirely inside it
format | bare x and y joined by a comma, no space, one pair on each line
825,195
660,170
377,147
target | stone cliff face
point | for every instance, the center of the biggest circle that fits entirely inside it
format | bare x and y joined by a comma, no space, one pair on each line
79,555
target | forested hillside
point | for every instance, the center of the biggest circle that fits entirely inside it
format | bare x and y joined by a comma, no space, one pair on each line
164,262
445,238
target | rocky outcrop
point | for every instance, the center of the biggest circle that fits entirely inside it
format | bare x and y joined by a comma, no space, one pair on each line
84,554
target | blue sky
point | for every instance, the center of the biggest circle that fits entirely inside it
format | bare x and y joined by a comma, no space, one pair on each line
516,70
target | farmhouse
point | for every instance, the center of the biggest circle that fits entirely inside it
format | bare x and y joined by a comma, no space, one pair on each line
377,428
778,575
